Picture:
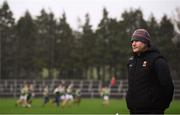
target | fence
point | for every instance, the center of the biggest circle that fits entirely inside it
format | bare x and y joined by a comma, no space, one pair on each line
89,88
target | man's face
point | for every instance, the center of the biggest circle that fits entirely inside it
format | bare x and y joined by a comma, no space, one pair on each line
138,46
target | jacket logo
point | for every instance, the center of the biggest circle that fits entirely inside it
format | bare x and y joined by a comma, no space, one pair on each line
130,65
144,64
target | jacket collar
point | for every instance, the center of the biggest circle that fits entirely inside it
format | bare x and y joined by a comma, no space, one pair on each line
152,49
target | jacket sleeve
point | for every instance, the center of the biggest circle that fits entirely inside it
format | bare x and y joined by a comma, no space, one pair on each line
163,73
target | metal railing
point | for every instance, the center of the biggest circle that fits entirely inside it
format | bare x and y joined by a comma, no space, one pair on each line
89,88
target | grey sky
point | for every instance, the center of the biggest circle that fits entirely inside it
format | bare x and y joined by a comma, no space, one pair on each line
75,9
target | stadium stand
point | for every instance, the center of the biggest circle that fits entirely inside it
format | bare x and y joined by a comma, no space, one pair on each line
89,88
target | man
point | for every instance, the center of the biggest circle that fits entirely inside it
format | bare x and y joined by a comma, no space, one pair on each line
105,93
30,94
45,95
69,94
56,92
150,87
113,81
77,98
23,96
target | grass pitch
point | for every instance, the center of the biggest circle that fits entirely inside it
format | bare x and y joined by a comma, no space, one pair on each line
87,106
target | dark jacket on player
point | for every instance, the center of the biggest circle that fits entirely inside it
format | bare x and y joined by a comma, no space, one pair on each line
150,85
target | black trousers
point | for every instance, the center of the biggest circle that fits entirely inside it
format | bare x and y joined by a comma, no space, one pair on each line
147,111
